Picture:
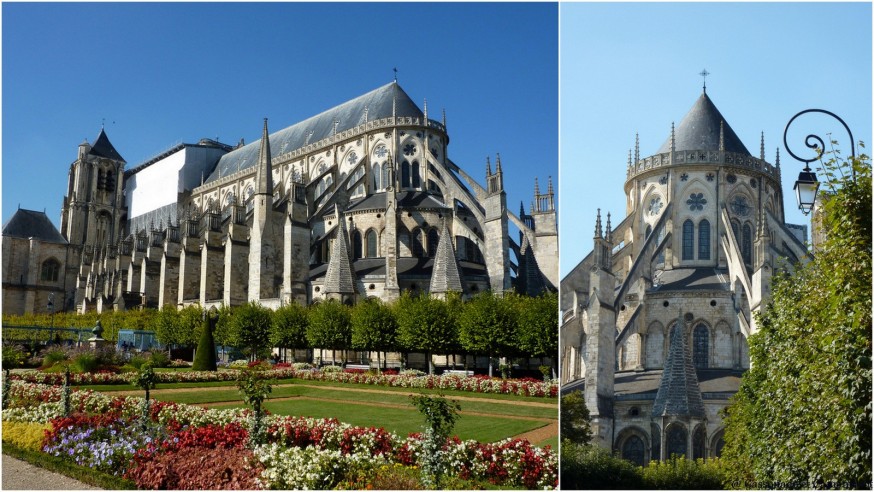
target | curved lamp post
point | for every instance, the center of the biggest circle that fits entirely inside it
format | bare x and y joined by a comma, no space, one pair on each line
807,185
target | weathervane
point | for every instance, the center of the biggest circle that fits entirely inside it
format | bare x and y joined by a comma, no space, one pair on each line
704,73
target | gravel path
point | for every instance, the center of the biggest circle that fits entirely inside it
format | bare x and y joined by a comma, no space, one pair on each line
21,475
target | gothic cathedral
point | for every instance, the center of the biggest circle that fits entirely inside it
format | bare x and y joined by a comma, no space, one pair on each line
655,319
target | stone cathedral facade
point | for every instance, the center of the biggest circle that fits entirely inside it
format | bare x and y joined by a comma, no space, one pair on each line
359,201
655,319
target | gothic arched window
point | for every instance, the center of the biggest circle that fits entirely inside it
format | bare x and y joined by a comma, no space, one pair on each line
701,346
417,177
633,450
688,240
704,240
371,244
699,439
356,245
675,441
746,247
735,229
50,270
433,238
418,247
377,177
648,232
405,174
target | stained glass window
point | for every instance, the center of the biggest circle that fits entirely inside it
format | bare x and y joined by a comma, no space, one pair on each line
633,450
688,240
676,441
433,239
356,245
701,346
746,247
704,240
372,244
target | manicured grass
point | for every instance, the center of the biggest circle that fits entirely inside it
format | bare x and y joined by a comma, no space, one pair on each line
399,421
552,441
404,391
200,397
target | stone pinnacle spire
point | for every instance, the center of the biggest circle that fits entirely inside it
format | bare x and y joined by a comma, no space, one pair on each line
339,278
445,276
762,148
488,166
264,175
598,224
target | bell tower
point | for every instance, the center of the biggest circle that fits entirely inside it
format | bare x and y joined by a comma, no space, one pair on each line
93,208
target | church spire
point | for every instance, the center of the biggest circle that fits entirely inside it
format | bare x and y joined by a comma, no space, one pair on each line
339,278
762,148
609,235
598,225
264,175
488,166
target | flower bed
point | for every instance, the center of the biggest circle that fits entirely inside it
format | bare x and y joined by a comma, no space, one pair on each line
184,446
477,384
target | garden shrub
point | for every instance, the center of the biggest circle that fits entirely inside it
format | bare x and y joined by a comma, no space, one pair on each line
590,467
85,362
679,473
52,356
137,361
13,356
330,369
159,359
25,435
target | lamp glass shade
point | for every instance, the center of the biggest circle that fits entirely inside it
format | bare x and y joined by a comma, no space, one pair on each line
805,190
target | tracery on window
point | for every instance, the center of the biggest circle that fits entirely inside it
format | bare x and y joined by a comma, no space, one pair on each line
50,270
688,240
704,240
633,450
701,346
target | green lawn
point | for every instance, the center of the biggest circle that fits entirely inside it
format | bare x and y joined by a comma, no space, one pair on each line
199,397
399,421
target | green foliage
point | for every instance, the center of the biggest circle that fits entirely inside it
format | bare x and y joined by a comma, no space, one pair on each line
86,362
679,473
250,328
586,466
373,326
222,333
575,424
159,359
146,378
205,359
487,325
289,328
330,325
168,327
440,414
802,417
425,324
255,388
13,356
537,331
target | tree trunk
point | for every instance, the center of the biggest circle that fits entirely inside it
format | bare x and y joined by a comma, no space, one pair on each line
491,364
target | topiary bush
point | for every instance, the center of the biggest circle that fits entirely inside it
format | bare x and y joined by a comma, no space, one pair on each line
205,359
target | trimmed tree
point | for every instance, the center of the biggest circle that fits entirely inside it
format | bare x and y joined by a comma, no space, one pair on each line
330,327
374,327
802,416
487,325
425,324
204,359
289,330
250,328
537,330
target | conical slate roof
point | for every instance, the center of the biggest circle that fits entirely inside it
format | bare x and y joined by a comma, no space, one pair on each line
699,130
103,148
679,393
339,279
32,224
379,103
444,275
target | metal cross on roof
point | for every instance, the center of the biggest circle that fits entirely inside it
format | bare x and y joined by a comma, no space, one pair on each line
704,73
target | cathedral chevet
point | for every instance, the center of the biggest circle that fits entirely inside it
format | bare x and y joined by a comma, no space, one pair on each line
655,319
359,201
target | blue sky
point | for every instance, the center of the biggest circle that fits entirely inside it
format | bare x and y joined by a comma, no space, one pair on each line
633,67
161,74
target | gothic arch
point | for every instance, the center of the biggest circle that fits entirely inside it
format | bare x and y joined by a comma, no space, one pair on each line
633,445
371,243
357,245
699,442
654,350
717,441
676,440
50,270
702,343
433,240
417,243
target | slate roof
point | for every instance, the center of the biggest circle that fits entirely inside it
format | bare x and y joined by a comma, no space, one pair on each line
445,276
339,278
103,148
680,279
32,224
699,130
644,385
679,393
350,114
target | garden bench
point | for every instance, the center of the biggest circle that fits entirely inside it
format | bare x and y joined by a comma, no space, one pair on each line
458,372
365,367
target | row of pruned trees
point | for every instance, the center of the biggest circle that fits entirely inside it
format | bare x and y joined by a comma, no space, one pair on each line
486,325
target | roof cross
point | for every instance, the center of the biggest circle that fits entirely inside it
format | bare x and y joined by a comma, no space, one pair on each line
396,74
704,73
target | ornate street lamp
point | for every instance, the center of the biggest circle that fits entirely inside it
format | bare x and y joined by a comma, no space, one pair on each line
807,185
